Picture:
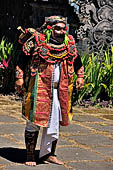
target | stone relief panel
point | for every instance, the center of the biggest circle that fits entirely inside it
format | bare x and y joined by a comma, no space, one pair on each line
96,24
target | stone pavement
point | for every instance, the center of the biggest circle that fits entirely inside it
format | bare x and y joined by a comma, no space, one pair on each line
87,144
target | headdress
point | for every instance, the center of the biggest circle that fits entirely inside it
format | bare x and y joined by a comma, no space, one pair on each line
52,20
46,28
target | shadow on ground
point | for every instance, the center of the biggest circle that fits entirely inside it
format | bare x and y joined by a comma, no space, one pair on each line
17,155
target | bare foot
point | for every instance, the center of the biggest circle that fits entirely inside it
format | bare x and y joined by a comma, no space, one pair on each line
55,160
30,163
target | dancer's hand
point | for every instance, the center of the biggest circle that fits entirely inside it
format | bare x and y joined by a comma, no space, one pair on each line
19,85
79,83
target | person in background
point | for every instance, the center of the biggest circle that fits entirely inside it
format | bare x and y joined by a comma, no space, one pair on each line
51,59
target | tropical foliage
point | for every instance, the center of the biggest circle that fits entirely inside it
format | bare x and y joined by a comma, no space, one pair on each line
7,65
98,79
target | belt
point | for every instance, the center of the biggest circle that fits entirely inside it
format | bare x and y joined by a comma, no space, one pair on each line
55,85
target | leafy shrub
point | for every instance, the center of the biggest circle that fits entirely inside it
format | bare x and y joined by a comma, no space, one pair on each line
98,77
7,65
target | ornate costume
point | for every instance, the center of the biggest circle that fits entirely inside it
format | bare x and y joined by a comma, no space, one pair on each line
49,58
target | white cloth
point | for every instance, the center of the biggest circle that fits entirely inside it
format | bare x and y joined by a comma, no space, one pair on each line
52,132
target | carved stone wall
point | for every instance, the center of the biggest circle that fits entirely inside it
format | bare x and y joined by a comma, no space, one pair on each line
96,24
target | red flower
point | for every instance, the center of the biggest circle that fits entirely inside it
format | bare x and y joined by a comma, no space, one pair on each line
49,27
66,28
6,63
70,37
42,37
72,43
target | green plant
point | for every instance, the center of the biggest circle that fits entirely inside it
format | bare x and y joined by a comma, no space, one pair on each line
98,77
5,49
108,73
7,65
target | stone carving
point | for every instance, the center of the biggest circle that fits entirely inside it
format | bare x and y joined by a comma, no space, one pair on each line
96,23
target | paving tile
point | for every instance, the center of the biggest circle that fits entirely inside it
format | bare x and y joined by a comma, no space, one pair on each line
38,167
106,150
18,138
4,161
92,165
12,129
108,116
8,119
105,128
96,111
63,142
86,118
75,129
12,146
72,153
92,140
2,167
7,142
